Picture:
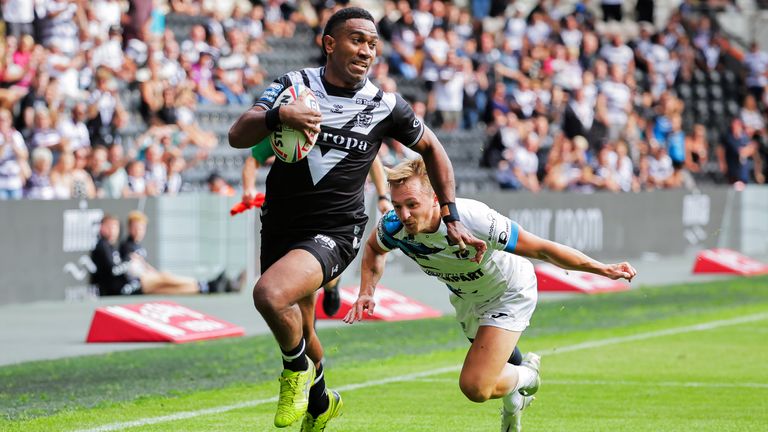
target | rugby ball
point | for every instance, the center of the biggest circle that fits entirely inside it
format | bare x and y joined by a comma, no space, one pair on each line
291,145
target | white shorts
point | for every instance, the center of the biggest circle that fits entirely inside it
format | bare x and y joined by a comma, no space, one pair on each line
510,310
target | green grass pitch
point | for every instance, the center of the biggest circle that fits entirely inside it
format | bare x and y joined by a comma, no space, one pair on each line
676,358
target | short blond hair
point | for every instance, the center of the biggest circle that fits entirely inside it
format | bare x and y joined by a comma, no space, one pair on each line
136,216
408,169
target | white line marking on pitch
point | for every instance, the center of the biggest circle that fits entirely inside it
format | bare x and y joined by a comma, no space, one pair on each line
409,377
625,383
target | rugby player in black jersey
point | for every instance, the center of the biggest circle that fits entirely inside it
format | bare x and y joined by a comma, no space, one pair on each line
313,216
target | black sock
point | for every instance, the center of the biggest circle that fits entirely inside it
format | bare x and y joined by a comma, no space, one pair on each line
516,358
295,360
318,397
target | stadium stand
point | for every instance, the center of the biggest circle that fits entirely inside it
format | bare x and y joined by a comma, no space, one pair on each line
194,67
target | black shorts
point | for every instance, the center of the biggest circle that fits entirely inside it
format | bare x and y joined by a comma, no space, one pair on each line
334,252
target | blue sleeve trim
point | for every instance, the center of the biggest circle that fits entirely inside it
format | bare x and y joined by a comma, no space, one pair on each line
514,230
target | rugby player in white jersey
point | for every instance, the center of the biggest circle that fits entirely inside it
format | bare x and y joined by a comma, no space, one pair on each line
494,299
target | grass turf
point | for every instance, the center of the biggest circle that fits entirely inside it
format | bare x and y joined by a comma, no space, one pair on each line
177,378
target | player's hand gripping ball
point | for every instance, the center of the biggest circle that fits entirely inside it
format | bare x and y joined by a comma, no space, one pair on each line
291,145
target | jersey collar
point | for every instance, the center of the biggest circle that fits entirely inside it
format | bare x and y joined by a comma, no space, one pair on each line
333,90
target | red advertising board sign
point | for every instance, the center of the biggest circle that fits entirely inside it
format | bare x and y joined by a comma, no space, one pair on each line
726,261
554,279
390,306
161,321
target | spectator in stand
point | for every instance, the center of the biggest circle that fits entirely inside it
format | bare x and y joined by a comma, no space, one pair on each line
71,126
697,150
38,184
152,90
606,177
186,104
623,169
60,23
202,75
156,171
19,17
660,169
405,57
230,70
740,153
97,169
115,177
14,168
617,53
618,97
137,19
449,90
44,134
526,163
68,181
136,182
756,65
105,110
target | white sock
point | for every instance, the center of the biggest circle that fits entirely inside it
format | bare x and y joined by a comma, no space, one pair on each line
525,377
513,401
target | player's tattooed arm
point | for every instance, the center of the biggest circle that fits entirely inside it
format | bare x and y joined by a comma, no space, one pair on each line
440,173
374,260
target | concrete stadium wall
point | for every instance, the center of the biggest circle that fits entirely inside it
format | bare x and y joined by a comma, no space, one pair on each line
44,245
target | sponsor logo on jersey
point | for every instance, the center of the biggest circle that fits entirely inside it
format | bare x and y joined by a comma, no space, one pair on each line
457,277
345,142
271,93
319,94
492,229
325,241
367,102
503,236
337,108
363,119
499,315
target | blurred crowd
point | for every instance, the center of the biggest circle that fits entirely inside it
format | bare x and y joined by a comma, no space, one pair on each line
578,99
66,66
569,98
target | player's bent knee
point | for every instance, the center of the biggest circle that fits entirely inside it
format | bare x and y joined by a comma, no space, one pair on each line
475,392
267,299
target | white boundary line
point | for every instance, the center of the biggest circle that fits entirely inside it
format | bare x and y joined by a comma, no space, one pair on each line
691,384
408,377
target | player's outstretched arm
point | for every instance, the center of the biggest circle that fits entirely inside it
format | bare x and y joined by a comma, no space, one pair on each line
374,260
532,246
440,173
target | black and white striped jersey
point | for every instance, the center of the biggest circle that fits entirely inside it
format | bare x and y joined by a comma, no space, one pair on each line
324,191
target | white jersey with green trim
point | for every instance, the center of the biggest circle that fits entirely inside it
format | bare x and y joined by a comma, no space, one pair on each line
498,271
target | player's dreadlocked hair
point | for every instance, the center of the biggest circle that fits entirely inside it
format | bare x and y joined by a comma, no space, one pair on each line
340,17
413,168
